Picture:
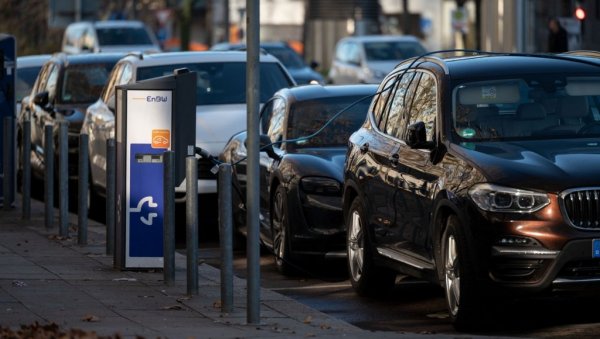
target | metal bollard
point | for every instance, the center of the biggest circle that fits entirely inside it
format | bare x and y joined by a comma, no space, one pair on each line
226,237
83,190
8,164
191,210
49,176
63,177
169,219
111,194
26,174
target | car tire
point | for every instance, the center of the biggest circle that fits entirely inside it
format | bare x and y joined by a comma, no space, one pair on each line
280,231
462,291
367,279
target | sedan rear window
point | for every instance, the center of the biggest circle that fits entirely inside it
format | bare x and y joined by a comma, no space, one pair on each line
223,83
306,117
123,36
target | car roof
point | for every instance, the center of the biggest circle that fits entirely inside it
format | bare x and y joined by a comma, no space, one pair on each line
192,57
88,58
490,66
381,38
32,60
235,46
310,92
111,23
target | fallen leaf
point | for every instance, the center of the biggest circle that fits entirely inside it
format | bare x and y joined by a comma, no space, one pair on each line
172,307
439,315
308,319
19,283
90,318
325,326
217,304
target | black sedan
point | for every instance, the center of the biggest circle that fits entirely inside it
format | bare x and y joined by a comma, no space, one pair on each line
301,178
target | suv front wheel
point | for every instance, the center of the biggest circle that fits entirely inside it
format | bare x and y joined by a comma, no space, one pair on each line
463,294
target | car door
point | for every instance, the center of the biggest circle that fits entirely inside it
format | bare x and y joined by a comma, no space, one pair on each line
386,221
417,175
99,115
274,127
37,132
43,116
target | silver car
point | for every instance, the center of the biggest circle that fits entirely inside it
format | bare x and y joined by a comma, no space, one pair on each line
220,97
368,59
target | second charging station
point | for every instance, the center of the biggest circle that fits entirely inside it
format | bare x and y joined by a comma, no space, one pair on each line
152,116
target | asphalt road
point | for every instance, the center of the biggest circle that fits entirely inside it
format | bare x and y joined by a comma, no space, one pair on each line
418,307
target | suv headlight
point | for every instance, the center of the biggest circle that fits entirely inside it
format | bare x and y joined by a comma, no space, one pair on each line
495,198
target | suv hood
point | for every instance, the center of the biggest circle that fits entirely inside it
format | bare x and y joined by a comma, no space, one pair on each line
216,124
545,165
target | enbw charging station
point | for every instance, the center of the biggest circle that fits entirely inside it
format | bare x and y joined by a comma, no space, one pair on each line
152,116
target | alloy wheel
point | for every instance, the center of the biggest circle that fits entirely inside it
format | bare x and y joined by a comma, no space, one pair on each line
279,235
355,246
452,276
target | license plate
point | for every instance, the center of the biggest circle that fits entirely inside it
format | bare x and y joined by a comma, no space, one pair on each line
596,248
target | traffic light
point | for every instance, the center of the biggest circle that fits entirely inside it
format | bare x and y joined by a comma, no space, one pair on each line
580,13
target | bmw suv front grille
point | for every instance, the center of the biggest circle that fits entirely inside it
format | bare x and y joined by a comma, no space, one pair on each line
582,207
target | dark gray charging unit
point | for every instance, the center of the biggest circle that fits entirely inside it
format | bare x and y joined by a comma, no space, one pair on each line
152,116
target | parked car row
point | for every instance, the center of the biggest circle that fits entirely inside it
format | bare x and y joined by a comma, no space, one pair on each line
476,173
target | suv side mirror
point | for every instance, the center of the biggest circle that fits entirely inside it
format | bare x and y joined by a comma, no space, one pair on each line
417,136
265,146
41,99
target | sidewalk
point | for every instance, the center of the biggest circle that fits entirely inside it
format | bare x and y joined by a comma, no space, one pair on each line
46,279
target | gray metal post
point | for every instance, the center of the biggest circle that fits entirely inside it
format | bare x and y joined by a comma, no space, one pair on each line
111,194
191,211
49,176
63,178
169,219
8,179
26,163
83,190
253,188
226,237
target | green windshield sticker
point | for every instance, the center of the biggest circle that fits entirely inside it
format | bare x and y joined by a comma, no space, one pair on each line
467,133
468,145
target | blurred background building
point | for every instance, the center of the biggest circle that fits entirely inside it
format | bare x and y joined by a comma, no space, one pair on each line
313,27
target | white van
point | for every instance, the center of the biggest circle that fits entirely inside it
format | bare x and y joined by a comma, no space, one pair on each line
109,36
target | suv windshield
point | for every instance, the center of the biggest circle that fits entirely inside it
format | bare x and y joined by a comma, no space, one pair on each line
306,117
392,50
536,107
84,83
222,83
123,36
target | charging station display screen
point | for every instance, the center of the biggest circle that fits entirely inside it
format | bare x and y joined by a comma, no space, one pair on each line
148,137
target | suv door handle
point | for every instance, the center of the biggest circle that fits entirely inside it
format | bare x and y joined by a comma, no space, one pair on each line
394,159
364,148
